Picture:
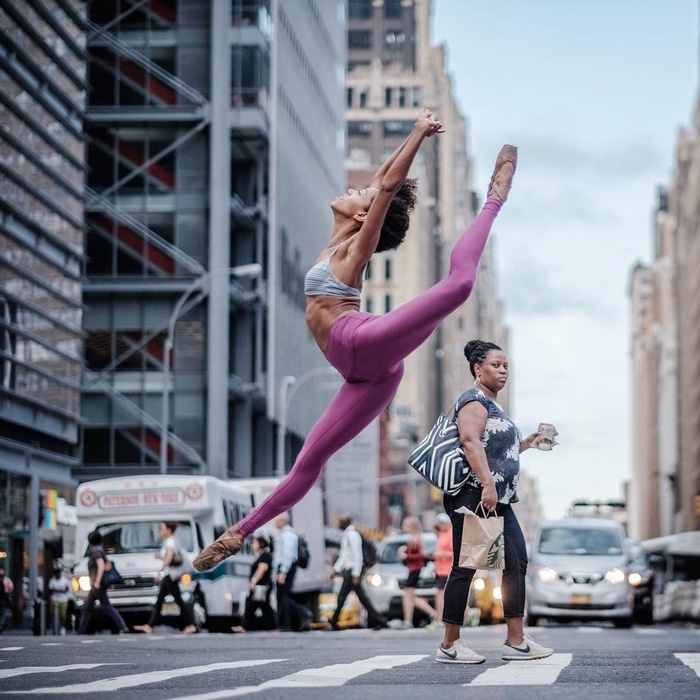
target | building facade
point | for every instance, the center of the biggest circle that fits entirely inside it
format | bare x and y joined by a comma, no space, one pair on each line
42,170
215,146
665,359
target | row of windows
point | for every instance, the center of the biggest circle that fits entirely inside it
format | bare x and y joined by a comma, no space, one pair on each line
362,39
390,127
394,96
363,9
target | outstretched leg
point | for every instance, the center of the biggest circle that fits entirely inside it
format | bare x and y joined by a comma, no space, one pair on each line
354,407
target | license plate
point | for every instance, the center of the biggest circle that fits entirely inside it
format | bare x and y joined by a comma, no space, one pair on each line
170,609
580,599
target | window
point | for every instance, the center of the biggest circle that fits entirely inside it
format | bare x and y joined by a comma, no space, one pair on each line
250,75
387,96
359,9
387,303
363,97
359,39
350,92
359,128
402,96
398,127
394,39
415,97
387,269
368,271
392,9
369,306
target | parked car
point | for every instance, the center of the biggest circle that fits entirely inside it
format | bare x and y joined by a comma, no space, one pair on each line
579,570
642,579
385,580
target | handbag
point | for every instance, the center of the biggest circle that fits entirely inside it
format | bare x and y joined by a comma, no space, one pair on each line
110,575
483,544
439,457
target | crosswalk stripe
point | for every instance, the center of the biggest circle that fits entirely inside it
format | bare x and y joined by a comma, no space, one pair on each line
11,648
109,684
692,660
25,670
536,672
324,677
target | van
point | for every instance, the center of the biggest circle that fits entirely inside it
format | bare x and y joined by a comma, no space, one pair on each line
579,571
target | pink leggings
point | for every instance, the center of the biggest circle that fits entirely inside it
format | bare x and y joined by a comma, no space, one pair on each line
368,351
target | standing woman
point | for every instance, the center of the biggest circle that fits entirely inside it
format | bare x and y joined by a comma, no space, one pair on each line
492,445
414,556
368,350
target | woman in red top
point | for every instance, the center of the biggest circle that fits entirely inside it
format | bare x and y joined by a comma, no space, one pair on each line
414,557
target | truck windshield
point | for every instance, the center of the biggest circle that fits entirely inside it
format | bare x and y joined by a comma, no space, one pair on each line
140,536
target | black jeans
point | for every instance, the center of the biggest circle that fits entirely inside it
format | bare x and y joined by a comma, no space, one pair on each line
373,617
108,609
290,614
170,587
459,582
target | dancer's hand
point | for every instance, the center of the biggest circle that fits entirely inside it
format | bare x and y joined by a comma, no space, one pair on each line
428,124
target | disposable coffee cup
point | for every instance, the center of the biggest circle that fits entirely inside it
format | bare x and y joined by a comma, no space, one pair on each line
546,439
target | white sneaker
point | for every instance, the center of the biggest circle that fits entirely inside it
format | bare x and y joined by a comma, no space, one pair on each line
458,653
528,649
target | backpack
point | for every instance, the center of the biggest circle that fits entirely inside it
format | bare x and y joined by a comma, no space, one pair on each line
303,554
369,552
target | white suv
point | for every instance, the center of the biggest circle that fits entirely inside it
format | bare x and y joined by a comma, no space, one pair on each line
579,571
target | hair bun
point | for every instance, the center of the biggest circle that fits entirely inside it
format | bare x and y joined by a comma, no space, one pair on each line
470,347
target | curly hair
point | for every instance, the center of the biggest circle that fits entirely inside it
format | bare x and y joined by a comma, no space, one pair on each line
398,216
476,351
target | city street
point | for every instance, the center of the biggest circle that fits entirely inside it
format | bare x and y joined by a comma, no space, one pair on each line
589,661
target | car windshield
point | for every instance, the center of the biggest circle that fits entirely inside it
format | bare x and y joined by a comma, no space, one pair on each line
390,549
575,540
140,536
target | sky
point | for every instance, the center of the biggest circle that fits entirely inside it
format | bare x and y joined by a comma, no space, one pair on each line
593,93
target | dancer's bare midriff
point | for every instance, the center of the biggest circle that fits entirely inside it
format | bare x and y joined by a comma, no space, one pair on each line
323,311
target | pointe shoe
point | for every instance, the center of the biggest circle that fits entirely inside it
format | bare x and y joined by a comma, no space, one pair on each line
502,177
230,543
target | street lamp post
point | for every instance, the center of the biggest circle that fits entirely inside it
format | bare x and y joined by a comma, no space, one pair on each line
250,270
289,385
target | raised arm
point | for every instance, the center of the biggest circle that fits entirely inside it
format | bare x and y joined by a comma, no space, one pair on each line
387,181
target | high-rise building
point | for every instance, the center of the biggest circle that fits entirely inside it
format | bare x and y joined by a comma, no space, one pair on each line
42,171
216,139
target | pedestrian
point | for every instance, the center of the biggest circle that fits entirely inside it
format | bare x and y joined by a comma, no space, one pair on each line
414,557
97,593
259,614
290,614
442,559
172,567
492,445
61,595
368,350
7,590
349,566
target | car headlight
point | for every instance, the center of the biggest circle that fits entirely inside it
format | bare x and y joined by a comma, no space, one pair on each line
479,584
637,579
547,575
615,576
374,580
80,583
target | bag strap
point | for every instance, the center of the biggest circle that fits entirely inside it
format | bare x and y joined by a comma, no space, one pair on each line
487,514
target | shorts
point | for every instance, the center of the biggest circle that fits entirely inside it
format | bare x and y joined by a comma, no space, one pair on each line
412,580
441,582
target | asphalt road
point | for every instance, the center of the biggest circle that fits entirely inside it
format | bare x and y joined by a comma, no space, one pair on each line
589,661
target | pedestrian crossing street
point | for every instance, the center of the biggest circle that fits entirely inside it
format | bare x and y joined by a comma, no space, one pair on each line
65,679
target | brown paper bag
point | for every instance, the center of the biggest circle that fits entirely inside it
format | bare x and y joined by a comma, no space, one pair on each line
483,546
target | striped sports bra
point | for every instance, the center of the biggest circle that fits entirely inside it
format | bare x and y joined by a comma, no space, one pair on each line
320,281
